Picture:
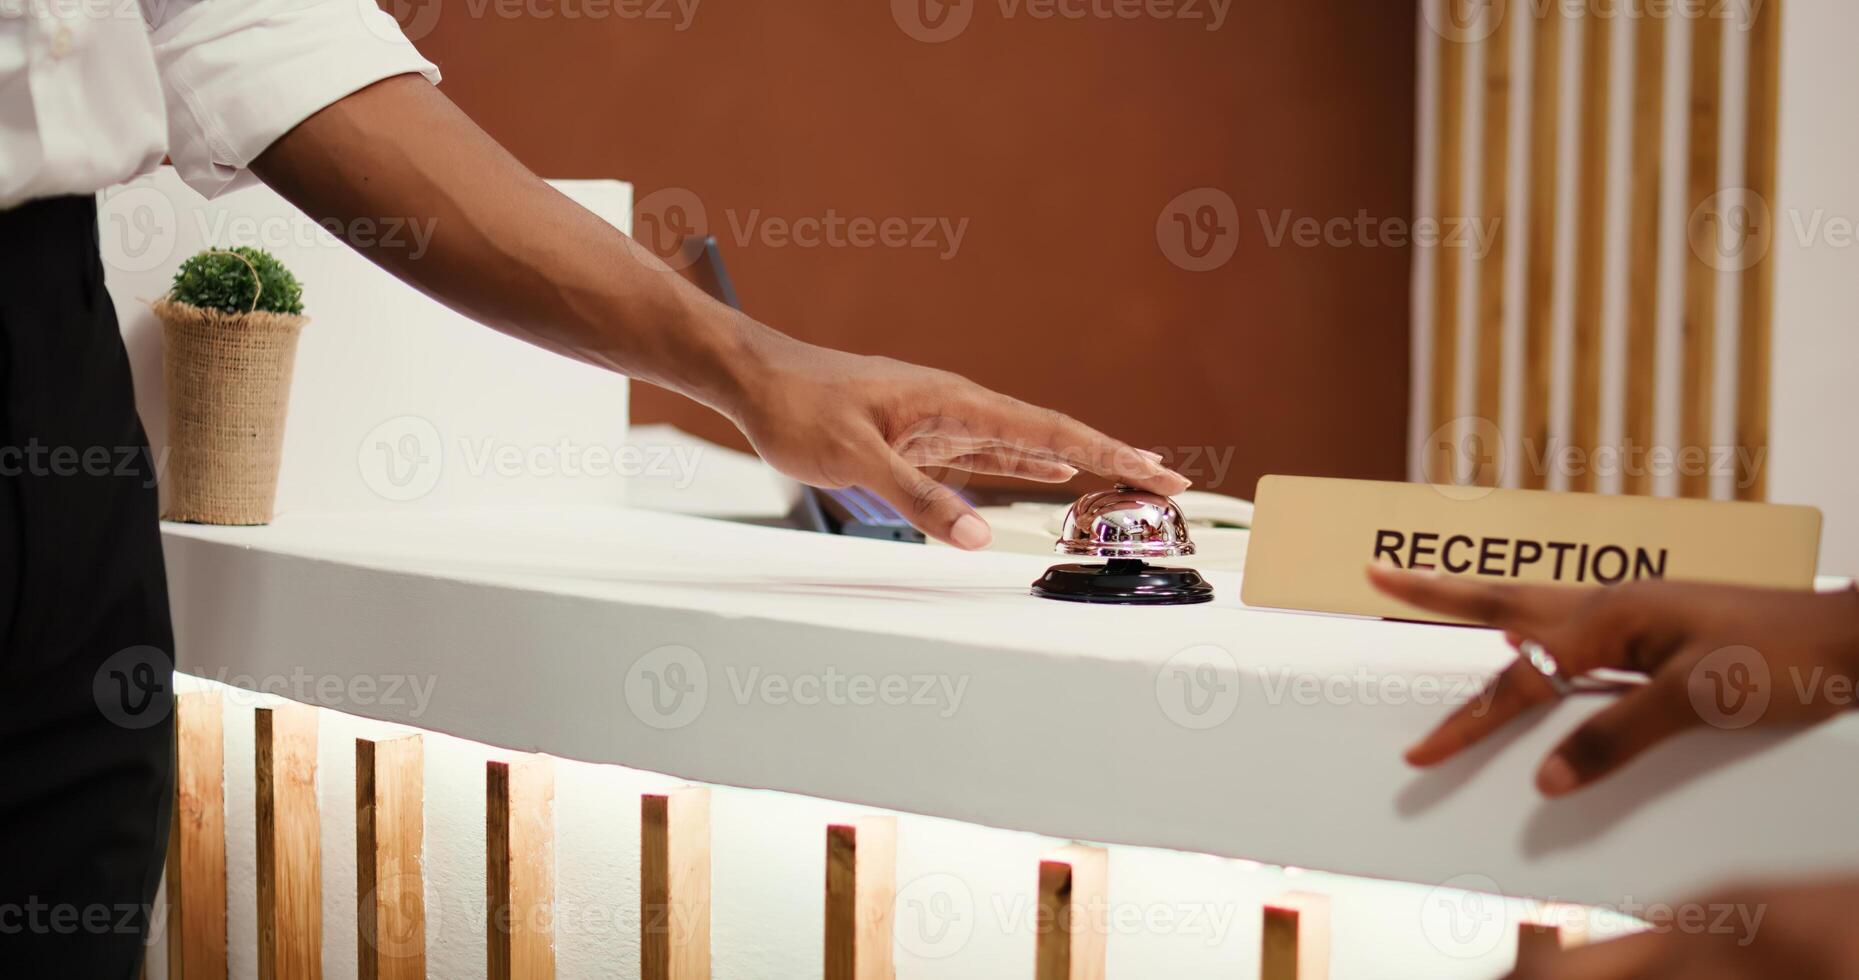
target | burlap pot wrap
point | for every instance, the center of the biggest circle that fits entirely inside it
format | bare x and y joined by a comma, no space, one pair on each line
228,378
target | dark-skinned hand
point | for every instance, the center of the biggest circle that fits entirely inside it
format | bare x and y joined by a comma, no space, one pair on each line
1802,932
1716,655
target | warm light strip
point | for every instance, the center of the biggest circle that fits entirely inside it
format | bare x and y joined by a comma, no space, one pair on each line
964,878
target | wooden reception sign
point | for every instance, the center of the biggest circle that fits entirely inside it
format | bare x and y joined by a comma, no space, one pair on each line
1312,538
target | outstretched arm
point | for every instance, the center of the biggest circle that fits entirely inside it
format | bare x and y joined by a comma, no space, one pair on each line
514,254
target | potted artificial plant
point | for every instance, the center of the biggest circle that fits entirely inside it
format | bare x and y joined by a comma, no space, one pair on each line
229,340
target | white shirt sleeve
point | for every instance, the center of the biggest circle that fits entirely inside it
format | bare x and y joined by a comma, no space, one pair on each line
238,74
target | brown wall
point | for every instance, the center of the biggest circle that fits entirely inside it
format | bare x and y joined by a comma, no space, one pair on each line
1061,142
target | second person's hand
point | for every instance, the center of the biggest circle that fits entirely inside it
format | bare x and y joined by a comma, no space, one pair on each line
1747,656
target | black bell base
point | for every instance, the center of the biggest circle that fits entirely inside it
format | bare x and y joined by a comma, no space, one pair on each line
1124,582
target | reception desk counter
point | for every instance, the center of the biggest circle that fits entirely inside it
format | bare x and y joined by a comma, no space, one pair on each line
929,681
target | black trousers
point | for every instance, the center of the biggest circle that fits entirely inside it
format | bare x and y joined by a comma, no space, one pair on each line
86,702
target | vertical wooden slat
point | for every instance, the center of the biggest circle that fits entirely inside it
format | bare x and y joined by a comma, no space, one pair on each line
1541,940
390,913
290,875
1439,458
1697,377
1536,943
1758,297
1540,282
1643,242
519,833
1295,944
197,842
674,892
1489,389
1073,922
861,888
1590,242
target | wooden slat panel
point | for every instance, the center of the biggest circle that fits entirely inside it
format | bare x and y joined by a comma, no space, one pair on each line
1295,944
861,888
1538,941
1540,280
519,818
390,913
1489,388
1439,458
1758,299
1590,242
197,842
290,875
1073,922
674,889
1697,374
1643,244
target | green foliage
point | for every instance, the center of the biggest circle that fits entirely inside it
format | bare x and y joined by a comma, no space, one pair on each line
220,280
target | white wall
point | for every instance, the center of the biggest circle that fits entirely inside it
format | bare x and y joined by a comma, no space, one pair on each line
1815,456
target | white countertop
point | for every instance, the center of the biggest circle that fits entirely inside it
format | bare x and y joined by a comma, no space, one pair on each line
928,680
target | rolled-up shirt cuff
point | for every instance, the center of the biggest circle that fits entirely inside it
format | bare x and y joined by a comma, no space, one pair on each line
238,76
